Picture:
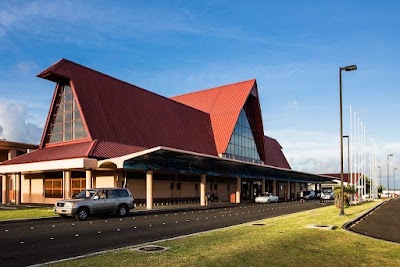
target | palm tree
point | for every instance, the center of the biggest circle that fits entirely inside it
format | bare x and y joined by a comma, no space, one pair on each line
348,192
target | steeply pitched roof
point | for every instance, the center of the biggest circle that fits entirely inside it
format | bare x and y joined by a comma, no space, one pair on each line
273,154
224,104
116,112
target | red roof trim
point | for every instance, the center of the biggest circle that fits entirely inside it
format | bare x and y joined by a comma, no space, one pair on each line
47,125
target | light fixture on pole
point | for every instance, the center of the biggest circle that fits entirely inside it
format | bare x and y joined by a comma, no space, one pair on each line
346,68
389,155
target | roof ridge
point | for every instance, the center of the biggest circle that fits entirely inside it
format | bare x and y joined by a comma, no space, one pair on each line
213,88
111,77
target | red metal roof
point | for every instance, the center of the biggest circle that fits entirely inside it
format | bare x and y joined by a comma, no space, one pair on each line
103,149
273,154
116,112
224,104
76,150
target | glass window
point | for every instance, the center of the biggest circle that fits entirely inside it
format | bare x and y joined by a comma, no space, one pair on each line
78,185
66,122
53,188
123,193
242,145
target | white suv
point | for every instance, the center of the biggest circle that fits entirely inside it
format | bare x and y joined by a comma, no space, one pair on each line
96,200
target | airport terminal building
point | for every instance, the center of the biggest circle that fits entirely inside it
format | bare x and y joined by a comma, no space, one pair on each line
104,132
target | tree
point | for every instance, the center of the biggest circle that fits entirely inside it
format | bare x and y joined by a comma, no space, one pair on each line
348,192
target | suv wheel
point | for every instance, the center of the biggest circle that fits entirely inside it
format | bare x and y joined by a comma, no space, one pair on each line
122,210
82,214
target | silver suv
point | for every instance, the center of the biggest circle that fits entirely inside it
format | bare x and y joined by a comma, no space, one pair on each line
96,200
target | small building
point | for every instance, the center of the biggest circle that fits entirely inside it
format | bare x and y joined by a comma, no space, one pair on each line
104,132
8,151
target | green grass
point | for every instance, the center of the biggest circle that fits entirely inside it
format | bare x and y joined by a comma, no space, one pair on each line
26,213
283,241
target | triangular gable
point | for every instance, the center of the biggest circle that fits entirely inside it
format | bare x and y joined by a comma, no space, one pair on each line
224,104
122,113
65,122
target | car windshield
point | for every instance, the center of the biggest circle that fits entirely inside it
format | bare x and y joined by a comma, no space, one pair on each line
265,195
86,194
327,191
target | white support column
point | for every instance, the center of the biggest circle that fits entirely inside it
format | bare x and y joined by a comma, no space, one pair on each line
12,154
263,186
149,190
67,184
4,189
288,191
88,179
238,189
203,182
274,187
18,188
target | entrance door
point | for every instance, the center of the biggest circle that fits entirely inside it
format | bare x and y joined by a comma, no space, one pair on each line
282,190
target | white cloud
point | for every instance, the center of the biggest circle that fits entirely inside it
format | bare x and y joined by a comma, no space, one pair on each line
309,151
16,125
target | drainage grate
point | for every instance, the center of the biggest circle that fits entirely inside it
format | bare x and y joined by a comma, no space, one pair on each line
151,249
258,224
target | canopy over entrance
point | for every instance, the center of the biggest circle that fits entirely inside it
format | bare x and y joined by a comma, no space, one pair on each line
184,162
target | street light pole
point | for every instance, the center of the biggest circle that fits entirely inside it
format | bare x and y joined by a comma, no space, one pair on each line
380,176
347,68
389,155
394,180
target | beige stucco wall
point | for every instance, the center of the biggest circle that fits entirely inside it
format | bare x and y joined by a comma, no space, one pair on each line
105,181
32,189
137,187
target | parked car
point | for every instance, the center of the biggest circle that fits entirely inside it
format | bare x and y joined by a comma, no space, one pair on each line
309,194
266,198
94,201
327,194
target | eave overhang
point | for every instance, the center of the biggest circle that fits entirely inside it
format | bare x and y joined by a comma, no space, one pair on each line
54,165
172,160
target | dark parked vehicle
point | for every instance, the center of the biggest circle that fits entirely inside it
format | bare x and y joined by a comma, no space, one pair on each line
306,195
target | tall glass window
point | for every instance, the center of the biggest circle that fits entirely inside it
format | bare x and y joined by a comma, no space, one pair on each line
65,123
242,145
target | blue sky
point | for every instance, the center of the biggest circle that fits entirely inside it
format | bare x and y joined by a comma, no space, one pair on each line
293,49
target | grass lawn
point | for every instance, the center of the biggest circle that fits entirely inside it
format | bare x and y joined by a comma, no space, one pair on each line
282,241
26,213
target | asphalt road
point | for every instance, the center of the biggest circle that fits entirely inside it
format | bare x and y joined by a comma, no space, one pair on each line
26,243
383,222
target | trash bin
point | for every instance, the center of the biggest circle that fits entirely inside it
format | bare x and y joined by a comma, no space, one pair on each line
233,198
